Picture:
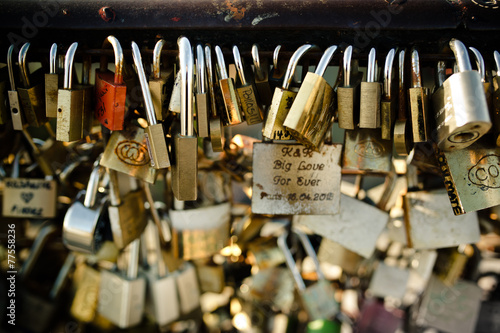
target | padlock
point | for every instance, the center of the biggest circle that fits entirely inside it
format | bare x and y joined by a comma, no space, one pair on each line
185,168
247,93
261,71
122,297
28,197
471,177
335,254
202,103
160,80
370,94
265,253
154,133
430,223
86,224
402,133
84,305
127,216
88,96
389,281
277,74
311,114
496,98
344,227
127,151
69,103
282,101
318,299
211,276
215,127
158,216
32,95
233,114
418,100
188,288
18,119
348,94
460,108
388,103
53,82
37,313
110,90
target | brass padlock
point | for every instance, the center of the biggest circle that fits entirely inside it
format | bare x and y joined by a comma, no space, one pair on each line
370,93
247,93
185,168
160,80
226,84
311,114
460,108
216,128
84,305
388,103
402,133
261,71
348,94
277,74
496,98
202,103
154,133
69,103
32,96
18,120
282,101
418,100
53,82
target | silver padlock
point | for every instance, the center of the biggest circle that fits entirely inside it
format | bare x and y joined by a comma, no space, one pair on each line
188,288
389,281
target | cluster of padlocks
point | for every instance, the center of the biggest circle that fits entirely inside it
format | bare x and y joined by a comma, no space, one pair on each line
143,212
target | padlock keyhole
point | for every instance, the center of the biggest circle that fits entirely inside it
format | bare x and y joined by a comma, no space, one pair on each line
15,110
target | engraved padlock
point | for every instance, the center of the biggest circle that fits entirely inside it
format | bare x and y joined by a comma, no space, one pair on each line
261,74
159,82
312,111
370,93
202,102
32,95
282,101
418,100
18,119
460,108
53,82
110,89
69,103
389,102
215,127
348,94
154,132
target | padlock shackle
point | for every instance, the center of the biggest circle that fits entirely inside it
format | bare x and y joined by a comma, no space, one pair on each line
146,93
10,67
276,54
187,74
114,189
44,165
389,64
347,65
221,64
440,73
325,60
306,243
201,72
41,239
117,48
86,67
238,62
133,259
372,64
292,65
23,65
301,286
154,213
416,77
93,185
496,55
157,58
210,77
53,59
14,173
68,66
461,55
259,71
479,63
401,86
56,289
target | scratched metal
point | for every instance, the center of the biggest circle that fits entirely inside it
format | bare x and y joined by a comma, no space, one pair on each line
293,179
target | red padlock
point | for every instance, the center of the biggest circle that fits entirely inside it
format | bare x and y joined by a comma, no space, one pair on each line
110,89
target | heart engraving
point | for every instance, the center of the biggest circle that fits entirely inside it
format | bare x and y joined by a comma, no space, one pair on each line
27,196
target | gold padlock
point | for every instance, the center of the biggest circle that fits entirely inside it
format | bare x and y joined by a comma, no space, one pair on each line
388,104
370,93
312,112
402,133
53,81
348,94
418,101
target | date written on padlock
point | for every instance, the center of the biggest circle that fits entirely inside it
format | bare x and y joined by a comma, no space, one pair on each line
27,198
293,179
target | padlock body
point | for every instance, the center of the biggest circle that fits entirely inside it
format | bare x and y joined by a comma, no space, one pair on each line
319,301
33,105
211,277
202,115
157,147
231,103
88,108
387,116
402,137
163,295
312,112
250,105
418,109
460,111
365,151
84,306
128,220
185,169
280,106
110,100
121,301
263,88
347,98
69,115
18,120
187,285
369,105
159,91
216,134
29,198
53,82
